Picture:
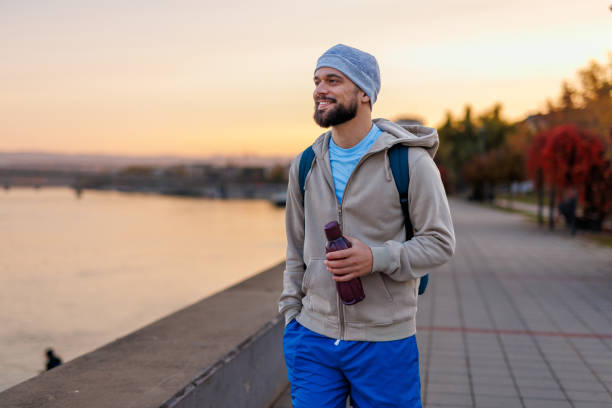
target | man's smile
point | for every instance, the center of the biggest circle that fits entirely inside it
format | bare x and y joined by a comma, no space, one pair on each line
323,103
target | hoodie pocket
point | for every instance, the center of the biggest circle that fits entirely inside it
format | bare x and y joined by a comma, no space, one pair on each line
319,289
376,308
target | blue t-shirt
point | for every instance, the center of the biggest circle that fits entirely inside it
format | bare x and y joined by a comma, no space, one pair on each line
343,161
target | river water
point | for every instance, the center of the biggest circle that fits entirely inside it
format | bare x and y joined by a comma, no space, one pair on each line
77,273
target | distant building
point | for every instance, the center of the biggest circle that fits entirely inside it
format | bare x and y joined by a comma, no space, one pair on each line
409,121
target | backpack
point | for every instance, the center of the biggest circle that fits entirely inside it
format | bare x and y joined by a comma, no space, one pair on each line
398,159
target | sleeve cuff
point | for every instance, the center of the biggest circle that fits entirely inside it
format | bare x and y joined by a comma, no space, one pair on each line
290,315
380,259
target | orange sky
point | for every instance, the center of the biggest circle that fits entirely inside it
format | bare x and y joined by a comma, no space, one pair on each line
197,79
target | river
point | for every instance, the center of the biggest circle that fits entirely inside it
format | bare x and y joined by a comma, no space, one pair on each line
77,273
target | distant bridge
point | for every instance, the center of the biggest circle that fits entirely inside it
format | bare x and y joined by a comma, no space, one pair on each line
183,186
40,178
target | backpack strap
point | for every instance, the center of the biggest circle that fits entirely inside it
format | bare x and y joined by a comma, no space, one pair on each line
305,165
398,159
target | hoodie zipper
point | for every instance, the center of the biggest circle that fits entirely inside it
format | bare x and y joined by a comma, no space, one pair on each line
340,222
338,300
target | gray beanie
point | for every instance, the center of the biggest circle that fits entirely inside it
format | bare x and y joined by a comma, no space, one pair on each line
360,67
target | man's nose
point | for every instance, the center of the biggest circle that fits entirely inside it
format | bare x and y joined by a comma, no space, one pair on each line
320,89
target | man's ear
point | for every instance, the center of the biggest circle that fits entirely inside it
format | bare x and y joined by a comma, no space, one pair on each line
364,97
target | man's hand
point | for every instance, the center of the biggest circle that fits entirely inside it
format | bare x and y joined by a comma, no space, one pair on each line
350,263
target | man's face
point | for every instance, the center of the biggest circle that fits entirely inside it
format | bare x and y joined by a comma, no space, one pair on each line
335,96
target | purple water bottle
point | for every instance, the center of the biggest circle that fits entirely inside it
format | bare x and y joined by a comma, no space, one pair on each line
350,292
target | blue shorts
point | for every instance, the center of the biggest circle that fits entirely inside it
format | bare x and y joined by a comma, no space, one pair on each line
324,371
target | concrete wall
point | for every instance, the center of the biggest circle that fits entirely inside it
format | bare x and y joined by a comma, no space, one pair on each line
224,351
251,375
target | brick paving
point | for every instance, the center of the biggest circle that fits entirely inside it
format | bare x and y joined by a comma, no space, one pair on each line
521,317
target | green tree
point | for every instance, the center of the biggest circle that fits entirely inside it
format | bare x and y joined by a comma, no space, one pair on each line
493,130
473,150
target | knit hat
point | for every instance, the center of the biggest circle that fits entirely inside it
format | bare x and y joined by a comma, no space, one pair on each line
360,67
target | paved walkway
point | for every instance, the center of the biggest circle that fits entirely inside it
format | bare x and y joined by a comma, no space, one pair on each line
518,205
521,317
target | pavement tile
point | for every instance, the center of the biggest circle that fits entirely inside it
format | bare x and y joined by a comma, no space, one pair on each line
565,358
522,355
491,360
539,372
453,399
527,367
518,339
590,396
602,368
490,371
490,379
584,404
546,393
438,367
482,353
546,403
450,353
450,359
583,385
605,377
569,367
443,378
537,382
521,348
489,401
568,376
449,388
452,365
496,390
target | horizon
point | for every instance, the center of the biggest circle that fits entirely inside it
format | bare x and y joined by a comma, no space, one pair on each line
201,80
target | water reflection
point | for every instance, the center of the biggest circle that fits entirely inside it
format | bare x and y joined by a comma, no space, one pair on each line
82,272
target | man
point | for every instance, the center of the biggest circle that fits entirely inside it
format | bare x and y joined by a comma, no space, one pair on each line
366,350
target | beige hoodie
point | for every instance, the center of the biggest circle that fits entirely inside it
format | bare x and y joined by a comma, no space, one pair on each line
370,211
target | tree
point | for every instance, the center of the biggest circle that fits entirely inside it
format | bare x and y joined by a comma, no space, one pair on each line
588,105
566,157
458,143
474,152
493,129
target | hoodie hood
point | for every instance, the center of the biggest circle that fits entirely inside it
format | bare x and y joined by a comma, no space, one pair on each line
409,135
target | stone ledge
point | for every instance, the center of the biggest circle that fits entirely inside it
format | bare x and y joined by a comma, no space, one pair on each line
149,366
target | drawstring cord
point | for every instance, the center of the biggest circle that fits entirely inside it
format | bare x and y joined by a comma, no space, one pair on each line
387,166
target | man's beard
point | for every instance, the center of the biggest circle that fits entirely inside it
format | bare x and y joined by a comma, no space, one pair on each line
337,115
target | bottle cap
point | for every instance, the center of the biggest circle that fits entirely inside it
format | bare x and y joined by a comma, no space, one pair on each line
332,230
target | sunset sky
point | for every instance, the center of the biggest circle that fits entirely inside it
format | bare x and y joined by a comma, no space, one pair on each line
198,78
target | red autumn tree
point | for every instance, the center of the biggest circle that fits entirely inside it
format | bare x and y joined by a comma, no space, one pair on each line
569,155
566,157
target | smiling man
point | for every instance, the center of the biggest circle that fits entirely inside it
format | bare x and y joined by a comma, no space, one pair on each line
368,349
